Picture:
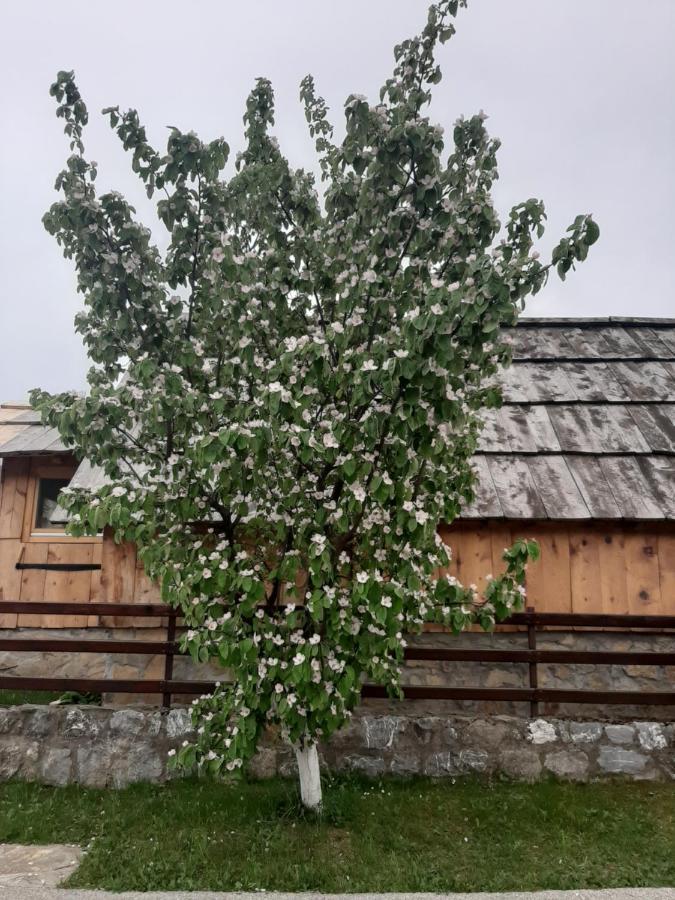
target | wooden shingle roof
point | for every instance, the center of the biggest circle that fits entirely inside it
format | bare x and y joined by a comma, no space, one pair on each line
587,429
14,419
22,434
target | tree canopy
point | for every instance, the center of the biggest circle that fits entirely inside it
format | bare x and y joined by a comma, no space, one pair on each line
285,402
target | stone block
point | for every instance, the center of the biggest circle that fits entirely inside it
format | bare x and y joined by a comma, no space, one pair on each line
263,764
405,764
474,760
571,765
11,719
651,673
585,732
541,732
425,729
138,761
11,758
29,768
134,723
651,735
449,735
178,723
487,733
442,764
287,765
352,732
506,677
93,766
55,766
623,762
620,734
39,721
370,766
382,731
83,722
136,666
523,763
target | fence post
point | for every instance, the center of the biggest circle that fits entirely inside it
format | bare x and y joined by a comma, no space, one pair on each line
168,659
532,645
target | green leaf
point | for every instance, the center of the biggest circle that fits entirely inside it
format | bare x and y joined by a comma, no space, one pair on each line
592,232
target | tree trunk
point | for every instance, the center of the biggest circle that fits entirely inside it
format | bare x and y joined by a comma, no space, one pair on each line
310,777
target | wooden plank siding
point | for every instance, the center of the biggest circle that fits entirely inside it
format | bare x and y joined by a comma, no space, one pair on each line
584,567
123,577
33,583
13,497
10,577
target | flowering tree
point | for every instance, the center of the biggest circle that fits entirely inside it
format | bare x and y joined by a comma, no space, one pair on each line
285,402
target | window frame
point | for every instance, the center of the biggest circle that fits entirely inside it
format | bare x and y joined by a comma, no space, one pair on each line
55,527
55,535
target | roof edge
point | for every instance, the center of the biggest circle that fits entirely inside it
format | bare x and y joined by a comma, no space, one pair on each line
646,321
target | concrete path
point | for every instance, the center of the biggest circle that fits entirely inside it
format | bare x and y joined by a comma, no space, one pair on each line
34,893
44,865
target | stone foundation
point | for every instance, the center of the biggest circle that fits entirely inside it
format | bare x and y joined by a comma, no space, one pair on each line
108,747
460,674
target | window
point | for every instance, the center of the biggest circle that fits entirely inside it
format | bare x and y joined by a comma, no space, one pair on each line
44,521
49,516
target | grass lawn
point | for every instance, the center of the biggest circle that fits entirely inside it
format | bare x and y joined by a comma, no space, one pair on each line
17,698
374,836
42,698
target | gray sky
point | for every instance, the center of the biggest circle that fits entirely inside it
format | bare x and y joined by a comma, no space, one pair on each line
580,92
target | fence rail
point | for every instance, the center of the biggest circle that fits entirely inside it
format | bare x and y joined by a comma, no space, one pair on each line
530,620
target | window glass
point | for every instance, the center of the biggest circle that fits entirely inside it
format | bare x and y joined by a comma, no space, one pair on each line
48,514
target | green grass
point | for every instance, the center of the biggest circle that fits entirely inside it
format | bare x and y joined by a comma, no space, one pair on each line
17,698
388,836
41,698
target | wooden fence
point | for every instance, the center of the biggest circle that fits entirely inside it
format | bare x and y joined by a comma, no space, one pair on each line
529,621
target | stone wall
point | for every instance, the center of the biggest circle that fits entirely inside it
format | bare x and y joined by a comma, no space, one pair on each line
101,747
121,666
605,677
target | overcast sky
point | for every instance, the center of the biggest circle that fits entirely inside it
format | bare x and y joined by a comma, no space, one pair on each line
580,92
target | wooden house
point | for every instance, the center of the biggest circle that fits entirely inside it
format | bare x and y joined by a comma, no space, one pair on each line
581,457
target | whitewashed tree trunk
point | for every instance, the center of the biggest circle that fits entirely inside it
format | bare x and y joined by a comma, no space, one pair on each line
310,777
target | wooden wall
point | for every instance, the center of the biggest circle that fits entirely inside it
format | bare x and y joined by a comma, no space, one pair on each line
610,567
120,576
13,489
600,567
123,579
